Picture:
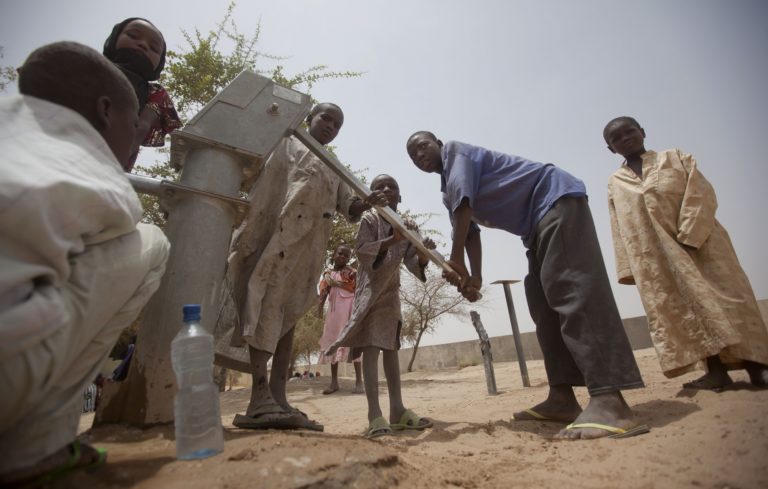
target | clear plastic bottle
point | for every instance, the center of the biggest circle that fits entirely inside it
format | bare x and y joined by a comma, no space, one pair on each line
198,416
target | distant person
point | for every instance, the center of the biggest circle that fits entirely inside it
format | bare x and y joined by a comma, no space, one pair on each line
569,295
137,47
337,285
76,266
698,300
376,316
277,254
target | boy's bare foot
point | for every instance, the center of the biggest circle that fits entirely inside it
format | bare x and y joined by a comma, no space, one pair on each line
359,389
713,381
331,389
560,405
605,409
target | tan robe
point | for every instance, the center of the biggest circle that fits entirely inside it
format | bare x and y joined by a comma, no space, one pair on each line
697,298
278,252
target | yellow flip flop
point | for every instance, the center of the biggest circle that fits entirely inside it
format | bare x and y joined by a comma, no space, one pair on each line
617,432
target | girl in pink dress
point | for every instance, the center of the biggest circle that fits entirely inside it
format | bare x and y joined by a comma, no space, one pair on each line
338,286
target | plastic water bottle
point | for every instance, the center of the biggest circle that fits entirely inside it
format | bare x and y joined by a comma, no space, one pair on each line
198,417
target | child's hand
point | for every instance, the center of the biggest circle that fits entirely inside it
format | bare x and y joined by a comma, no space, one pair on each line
376,198
429,244
411,224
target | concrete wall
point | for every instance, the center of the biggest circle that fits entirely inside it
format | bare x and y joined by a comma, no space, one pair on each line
464,353
503,349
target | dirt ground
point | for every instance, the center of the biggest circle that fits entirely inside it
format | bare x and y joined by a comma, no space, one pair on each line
697,440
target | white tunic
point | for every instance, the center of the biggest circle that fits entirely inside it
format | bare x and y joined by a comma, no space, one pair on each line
61,189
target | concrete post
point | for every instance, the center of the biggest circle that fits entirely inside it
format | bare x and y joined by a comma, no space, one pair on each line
485,350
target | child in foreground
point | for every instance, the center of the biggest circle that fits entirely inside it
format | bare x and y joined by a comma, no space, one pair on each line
137,47
376,317
698,300
77,266
337,286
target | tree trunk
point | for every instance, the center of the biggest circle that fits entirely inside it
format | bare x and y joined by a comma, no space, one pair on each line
416,346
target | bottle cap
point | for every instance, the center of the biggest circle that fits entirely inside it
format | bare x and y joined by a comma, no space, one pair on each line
191,312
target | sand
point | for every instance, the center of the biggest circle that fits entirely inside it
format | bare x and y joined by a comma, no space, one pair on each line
697,440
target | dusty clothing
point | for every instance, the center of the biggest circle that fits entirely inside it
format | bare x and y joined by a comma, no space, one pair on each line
376,315
339,287
697,298
76,270
278,251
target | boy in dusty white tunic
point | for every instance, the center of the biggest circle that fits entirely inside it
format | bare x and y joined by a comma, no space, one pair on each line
75,267
376,317
699,302
277,255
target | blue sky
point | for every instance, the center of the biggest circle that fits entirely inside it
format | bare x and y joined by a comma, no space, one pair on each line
535,78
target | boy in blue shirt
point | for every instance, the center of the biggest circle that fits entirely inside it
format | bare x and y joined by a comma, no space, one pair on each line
567,288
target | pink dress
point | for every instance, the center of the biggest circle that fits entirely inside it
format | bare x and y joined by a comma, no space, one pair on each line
340,286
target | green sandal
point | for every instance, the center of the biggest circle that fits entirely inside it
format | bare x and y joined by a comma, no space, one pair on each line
378,427
411,421
70,467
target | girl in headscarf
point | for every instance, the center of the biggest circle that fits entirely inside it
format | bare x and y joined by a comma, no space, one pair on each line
137,47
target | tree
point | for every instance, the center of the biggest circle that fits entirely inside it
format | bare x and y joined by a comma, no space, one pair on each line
424,305
306,336
7,73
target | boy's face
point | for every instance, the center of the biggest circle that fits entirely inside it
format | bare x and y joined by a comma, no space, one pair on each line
143,37
389,187
625,138
120,132
342,255
425,153
325,125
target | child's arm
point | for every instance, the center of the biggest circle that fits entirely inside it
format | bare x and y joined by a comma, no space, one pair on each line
697,212
325,289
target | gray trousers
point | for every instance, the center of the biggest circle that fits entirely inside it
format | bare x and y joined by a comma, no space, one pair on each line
570,300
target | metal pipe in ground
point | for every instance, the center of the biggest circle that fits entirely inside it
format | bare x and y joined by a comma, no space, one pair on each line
515,330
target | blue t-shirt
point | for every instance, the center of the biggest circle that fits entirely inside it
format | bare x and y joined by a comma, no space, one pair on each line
505,191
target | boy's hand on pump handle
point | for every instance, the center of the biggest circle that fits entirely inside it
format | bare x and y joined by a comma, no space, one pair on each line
468,285
376,199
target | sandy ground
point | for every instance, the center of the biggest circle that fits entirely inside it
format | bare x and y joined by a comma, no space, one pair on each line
697,440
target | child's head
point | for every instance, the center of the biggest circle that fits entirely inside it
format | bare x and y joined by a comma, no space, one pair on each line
341,255
137,45
625,136
77,77
324,121
389,187
425,151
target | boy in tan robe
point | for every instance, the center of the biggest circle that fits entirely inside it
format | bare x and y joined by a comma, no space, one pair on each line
699,302
275,258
